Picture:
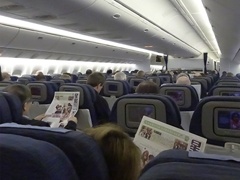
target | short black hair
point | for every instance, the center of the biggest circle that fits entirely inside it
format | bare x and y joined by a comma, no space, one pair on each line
88,72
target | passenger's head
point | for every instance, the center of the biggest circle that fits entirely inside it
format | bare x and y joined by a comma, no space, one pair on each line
96,80
120,76
88,72
183,80
122,156
140,74
40,77
6,76
23,93
229,74
147,87
109,72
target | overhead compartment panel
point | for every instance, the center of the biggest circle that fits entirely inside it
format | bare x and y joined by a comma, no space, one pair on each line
7,34
32,40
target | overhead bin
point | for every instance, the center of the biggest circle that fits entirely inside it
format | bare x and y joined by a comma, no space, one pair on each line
7,34
32,40
56,7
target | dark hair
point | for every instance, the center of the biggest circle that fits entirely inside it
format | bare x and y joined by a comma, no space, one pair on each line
88,72
1,74
109,71
21,91
147,87
95,79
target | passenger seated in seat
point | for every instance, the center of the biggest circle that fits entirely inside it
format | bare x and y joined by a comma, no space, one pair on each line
183,79
40,76
140,74
24,94
96,80
147,87
120,76
6,76
122,156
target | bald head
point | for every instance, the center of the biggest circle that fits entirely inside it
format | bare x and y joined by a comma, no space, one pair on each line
184,80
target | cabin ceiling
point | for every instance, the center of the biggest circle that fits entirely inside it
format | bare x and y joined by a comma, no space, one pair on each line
224,16
95,18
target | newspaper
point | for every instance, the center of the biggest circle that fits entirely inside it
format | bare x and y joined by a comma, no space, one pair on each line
63,106
154,136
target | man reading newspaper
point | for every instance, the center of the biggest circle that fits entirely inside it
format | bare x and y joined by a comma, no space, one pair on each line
154,136
63,106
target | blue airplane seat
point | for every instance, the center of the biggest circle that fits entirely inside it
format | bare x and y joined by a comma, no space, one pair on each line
213,119
15,106
224,91
42,92
4,84
5,112
28,159
185,96
14,78
177,165
155,79
81,81
82,150
87,98
128,111
48,77
165,78
59,82
115,88
74,78
134,82
23,80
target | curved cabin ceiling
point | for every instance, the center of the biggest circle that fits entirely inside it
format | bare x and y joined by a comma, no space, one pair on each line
224,16
109,20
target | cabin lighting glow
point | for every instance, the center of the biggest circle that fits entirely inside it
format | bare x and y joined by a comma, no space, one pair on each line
46,29
201,12
29,66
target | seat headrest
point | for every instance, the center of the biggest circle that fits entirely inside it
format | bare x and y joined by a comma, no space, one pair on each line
5,113
128,111
46,161
42,92
185,96
214,119
224,91
115,88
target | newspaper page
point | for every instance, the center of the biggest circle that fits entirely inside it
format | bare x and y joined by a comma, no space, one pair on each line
154,136
63,106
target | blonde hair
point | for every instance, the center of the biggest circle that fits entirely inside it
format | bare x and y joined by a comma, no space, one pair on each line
122,156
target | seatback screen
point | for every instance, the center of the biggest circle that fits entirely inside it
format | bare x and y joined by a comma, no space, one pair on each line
135,112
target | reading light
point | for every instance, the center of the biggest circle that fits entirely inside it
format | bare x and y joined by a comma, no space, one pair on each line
46,29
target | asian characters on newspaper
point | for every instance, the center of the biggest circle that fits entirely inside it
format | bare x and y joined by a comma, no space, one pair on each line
63,106
154,136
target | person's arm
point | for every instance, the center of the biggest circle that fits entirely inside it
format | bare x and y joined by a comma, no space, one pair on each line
72,124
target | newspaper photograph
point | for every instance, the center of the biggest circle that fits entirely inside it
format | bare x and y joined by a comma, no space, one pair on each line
63,106
154,136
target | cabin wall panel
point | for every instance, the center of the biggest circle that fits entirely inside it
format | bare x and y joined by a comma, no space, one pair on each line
229,66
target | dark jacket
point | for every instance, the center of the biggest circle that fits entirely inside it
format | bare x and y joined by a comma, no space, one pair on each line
102,109
25,121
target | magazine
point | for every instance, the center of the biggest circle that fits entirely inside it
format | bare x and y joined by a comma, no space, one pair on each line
154,136
63,106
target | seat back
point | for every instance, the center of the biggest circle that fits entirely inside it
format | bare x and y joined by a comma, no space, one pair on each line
42,92
4,84
224,91
176,164
128,111
27,158
155,79
83,152
185,96
165,78
115,88
5,113
214,119
82,81
134,82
